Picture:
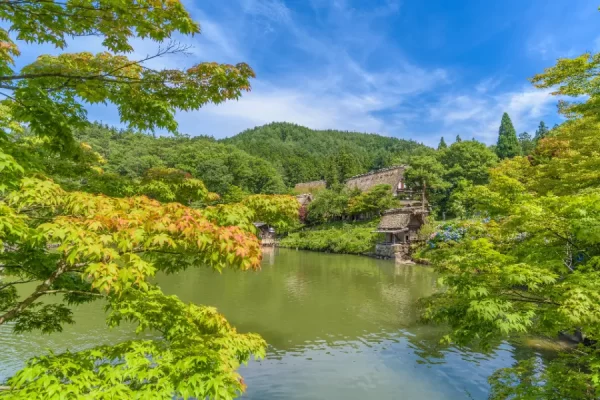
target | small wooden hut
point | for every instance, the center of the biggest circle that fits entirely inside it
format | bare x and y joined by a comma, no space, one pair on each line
400,227
266,233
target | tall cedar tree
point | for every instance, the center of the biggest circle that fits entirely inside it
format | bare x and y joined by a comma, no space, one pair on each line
458,139
442,144
508,145
542,131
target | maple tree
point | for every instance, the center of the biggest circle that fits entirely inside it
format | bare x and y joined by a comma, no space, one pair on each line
79,247
49,93
531,266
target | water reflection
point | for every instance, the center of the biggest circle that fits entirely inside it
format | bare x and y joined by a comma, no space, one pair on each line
337,326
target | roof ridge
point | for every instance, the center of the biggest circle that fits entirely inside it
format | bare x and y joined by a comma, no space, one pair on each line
377,171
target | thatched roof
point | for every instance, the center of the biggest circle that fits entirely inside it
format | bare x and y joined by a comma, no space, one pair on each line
388,176
304,199
305,187
394,221
399,219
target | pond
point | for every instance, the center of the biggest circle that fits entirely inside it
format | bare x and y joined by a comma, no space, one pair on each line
338,327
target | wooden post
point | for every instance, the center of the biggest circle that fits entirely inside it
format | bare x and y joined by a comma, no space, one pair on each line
423,197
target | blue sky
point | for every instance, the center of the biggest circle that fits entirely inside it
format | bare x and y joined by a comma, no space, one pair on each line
411,69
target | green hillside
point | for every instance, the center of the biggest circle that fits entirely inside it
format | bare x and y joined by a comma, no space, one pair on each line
301,154
219,165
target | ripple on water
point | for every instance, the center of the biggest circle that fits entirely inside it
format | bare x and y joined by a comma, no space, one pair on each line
338,327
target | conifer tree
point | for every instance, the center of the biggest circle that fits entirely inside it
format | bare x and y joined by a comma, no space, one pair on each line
526,142
458,139
442,144
508,145
542,131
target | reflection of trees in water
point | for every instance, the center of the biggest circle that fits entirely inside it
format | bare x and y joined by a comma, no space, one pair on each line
302,300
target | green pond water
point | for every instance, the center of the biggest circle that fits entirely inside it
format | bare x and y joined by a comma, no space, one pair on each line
338,327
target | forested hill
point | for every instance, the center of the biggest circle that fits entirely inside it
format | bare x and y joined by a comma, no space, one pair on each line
301,154
221,166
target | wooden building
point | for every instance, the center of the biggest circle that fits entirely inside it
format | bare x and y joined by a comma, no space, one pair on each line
400,227
266,234
393,176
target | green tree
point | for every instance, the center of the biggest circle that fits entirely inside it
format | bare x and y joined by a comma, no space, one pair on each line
458,139
48,94
467,160
462,164
508,144
527,143
541,132
373,202
300,154
426,174
79,246
532,269
574,77
442,145
328,205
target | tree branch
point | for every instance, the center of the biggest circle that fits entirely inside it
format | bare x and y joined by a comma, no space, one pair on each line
39,291
16,283
82,292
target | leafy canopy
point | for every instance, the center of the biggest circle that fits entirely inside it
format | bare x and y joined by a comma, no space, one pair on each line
49,93
533,268
83,246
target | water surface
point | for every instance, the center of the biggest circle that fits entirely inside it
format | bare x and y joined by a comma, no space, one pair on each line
338,327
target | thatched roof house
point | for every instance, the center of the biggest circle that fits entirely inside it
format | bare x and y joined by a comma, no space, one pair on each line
393,176
401,225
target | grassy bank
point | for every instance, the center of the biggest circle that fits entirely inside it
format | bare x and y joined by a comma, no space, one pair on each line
337,237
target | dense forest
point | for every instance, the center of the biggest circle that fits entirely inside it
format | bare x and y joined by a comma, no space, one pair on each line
223,168
267,159
301,154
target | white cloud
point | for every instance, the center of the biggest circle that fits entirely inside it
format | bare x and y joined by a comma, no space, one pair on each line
273,10
545,47
471,115
488,85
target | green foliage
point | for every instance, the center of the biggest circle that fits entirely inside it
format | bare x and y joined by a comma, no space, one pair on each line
373,202
469,160
196,343
48,94
442,145
508,144
532,268
527,143
81,246
541,132
301,154
458,139
355,238
574,77
219,166
328,205
339,202
425,172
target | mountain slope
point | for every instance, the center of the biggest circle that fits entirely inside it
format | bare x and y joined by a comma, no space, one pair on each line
301,154
219,165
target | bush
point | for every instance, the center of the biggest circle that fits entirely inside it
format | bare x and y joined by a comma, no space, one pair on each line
335,238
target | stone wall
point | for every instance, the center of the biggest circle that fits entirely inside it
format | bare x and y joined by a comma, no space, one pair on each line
389,176
399,251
